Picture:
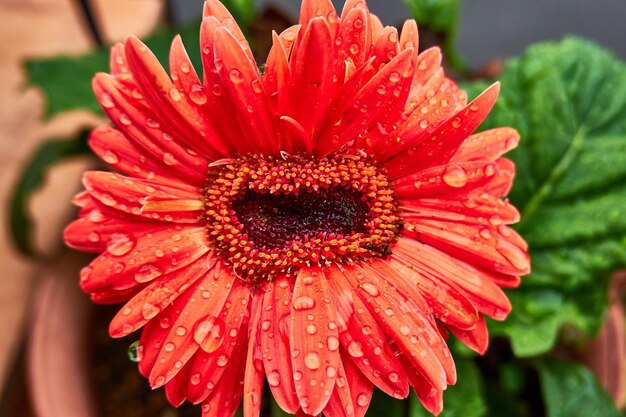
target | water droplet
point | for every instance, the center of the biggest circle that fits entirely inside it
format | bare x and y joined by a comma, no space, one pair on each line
185,67
125,120
355,349
107,199
146,273
331,371
371,289
485,233
197,94
135,352
354,49
175,94
489,170
311,329
235,75
394,77
222,361
333,343
256,86
362,400
312,360
456,122
273,378
303,302
164,322
169,159
358,23
94,237
110,158
382,89
149,311
393,377
195,379
455,176
181,331
495,220
424,122
120,244
405,330
297,376
106,100
160,380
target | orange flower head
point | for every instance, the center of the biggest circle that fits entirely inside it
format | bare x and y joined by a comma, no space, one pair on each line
320,226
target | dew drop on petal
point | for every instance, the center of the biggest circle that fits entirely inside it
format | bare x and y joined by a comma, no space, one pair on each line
273,378
355,349
333,343
235,75
393,377
311,329
455,176
222,360
147,273
175,94
94,237
169,159
197,94
106,100
195,379
149,311
394,77
362,400
303,302
110,158
312,360
121,244
371,289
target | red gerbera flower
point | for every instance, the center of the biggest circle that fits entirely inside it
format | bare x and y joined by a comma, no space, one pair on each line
319,225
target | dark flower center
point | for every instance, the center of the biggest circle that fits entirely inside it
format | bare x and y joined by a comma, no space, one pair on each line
273,221
270,216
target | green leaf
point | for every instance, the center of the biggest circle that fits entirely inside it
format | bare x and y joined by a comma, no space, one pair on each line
465,399
571,390
568,101
66,81
31,179
441,16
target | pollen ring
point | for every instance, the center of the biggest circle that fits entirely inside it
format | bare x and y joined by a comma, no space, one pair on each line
269,216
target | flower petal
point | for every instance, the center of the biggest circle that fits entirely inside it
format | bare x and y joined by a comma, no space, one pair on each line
135,196
244,88
154,298
253,377
222,338
161,252
312,55
274,341
313,323
413,333
365,342
490,144
442,144
196,324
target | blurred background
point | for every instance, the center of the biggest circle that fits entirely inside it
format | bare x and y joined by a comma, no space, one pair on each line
487,30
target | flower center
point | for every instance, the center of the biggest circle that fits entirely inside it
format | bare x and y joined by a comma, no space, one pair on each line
270,216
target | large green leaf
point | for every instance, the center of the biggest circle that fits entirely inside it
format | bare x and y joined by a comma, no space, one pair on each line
568,101
465,399
570,390
66,81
